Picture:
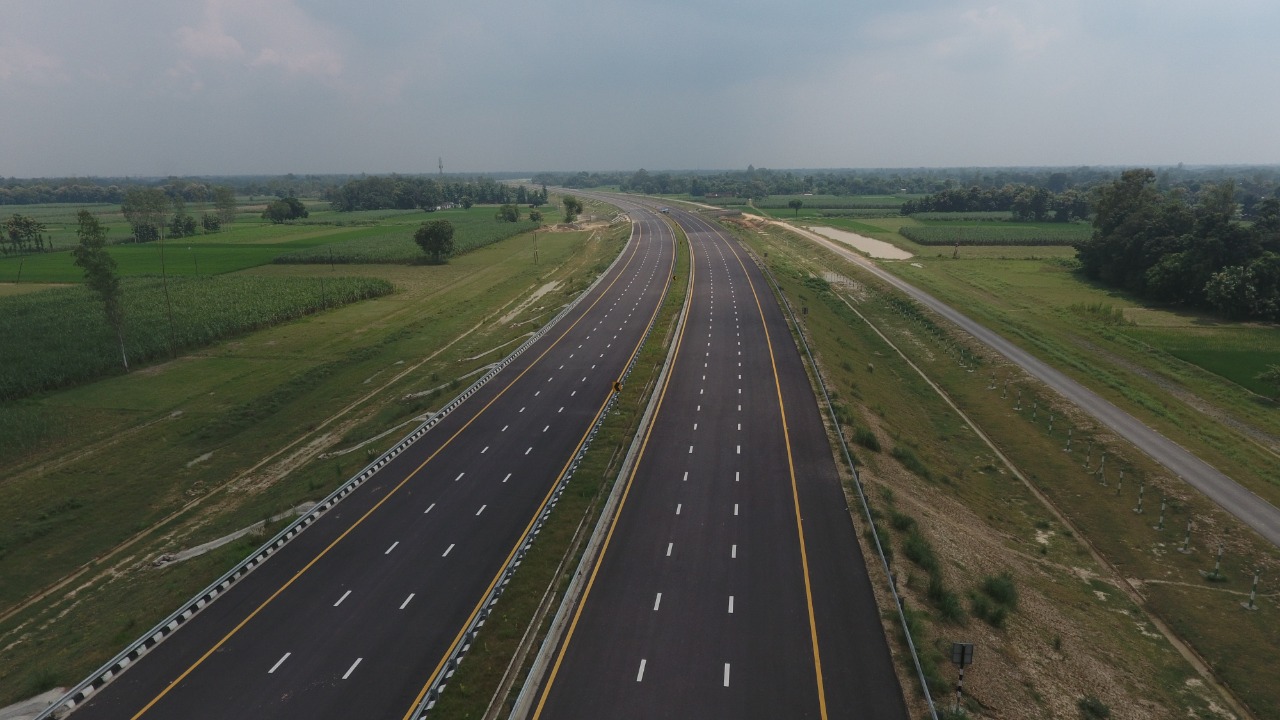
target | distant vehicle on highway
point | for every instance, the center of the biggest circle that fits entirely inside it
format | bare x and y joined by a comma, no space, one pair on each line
664,210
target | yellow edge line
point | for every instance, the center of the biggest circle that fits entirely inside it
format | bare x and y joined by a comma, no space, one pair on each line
795,495
604,548
422,693
174,683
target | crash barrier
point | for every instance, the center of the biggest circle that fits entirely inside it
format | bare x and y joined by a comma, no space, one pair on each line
131,654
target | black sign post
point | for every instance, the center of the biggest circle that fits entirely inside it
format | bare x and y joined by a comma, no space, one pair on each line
962,657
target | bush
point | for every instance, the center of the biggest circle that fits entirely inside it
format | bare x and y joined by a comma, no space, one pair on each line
1092,708
867,439
919,551
997,597
911,461
1000,589
947,602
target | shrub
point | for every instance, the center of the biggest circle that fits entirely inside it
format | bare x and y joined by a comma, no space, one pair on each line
911,461
1000,588
1092,708
867,439
919,551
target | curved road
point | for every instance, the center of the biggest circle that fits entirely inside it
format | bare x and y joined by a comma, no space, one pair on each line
731,584
355,617
1233,497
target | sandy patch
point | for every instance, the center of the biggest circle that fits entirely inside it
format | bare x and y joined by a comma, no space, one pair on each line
874,248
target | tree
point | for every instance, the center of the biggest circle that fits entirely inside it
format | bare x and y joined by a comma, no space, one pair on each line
795,205
436,239
535,216
572,208
1271,376
146,210
224,204
289,208
508,213
24,233
100,273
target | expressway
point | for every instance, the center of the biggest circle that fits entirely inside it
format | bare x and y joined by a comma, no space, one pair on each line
730,584
357,615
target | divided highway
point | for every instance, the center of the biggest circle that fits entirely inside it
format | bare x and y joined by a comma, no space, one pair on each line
730,584
355,616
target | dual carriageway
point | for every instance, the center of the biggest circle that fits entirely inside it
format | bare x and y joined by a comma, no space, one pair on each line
731,583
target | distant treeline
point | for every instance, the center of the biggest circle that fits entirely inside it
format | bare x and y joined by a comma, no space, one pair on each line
1186,248
387,192
1026,202
1252,183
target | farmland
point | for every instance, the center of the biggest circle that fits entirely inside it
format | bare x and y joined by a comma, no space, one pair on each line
58,337
473,229
324,237
943,232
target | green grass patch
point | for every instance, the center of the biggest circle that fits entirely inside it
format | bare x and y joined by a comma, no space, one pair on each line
1236,354
988,233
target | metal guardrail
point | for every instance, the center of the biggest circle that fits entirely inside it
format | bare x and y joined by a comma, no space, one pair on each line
438,683
857,482
131,654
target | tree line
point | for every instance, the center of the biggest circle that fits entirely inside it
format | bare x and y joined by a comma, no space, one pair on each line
398,192
1185,248
1026,202
153,213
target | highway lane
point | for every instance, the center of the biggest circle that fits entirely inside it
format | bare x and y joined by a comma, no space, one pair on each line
1230,495
356,614
731,584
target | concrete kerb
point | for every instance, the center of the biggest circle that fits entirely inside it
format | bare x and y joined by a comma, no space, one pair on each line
857,483
162,630
573,593
438,684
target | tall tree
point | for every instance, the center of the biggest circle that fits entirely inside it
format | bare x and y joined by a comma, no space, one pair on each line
224,204
572,208
100,273
24,233
146,210
795,205
436,239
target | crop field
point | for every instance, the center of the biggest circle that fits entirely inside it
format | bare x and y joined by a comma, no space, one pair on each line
835,202
324,237
964,216
996,233
60,337
473,228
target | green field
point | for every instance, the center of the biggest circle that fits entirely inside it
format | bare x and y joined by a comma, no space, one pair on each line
940,232
1237,354
326,236
60,337
473,228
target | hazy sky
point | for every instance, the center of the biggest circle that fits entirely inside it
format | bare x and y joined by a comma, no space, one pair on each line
183,87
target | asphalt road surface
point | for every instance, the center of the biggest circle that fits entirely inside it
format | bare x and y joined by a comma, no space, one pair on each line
355,616
731,584
1230,495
